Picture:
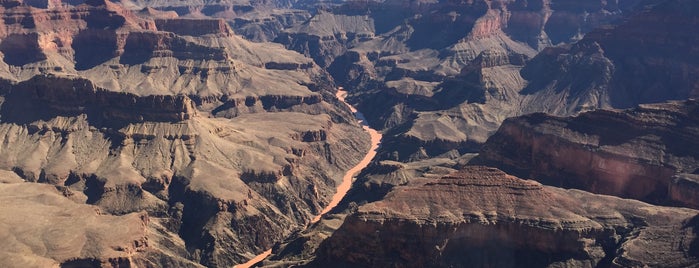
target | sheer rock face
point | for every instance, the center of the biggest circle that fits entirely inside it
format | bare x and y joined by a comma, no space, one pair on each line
684,189
646,59
485,218
227,145
632,153
46,96
442,76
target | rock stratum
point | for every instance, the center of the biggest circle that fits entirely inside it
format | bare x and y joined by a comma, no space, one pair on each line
158,140
154,134
633,153
482,217
440,77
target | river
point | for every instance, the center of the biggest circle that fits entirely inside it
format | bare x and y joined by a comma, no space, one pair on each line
347,180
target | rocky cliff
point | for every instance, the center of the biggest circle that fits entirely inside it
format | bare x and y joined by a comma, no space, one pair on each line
44,97
446,77
483,217
224,145
646,59
629,153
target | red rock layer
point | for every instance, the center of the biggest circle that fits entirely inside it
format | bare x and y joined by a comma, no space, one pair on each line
632,153
482,217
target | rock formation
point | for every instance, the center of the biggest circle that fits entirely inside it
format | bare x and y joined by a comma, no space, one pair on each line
629,153
483,217
444,78
205,149
646,59
224,145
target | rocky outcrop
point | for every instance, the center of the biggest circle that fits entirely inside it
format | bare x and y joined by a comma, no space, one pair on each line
264,28
47,96
235,106
646,59
147,53
684,189
483,217
326,35
194,27
632,153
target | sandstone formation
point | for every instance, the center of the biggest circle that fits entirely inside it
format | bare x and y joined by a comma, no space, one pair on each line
226,146
648,58
153,134
629,153
683,190
442,76
483,217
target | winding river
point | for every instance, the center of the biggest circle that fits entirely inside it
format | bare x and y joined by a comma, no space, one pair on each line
346,183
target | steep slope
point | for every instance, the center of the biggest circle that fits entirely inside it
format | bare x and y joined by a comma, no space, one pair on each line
632,153
649,58
441,76
228,145
483,217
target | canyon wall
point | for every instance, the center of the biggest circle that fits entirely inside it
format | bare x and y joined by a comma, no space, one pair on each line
630,153
447,76
223,146
483,217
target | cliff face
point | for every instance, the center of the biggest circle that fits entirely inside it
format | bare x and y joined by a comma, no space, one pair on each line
449,74
44,97
632,153
483,217
327,35
147,53
214,139
646,59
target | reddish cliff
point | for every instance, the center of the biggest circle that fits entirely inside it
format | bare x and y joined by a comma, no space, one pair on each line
484,218
632,153
684,190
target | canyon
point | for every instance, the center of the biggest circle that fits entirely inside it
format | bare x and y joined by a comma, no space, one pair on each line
546,133
209,139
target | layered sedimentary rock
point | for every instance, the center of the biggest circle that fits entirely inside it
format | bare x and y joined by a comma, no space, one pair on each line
684,189
227,146
444,78
483,217
629,153
258,21
648,58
